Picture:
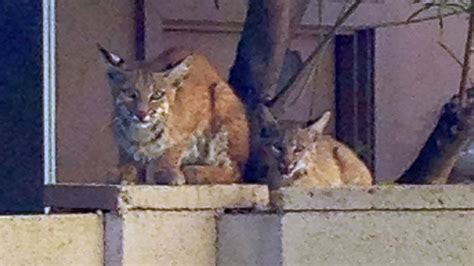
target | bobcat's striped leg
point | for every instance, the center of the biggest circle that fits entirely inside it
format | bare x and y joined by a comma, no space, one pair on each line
128,170
165,170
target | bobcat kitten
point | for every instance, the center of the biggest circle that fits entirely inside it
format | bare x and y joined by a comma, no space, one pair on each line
176,120
314,160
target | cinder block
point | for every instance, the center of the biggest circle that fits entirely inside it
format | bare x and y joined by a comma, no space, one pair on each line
51,240
378,238
433,197
249,239
161,238
421,225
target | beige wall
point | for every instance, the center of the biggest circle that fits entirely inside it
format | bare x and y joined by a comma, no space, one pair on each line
85,147
52,240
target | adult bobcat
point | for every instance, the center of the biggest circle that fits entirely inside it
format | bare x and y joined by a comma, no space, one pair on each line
176,120
311,159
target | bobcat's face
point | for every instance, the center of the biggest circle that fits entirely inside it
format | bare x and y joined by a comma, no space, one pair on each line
294,148
142,95
296,145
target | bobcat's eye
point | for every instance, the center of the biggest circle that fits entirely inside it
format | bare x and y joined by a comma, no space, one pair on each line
157,95
132,94
168,66
172,65
298,147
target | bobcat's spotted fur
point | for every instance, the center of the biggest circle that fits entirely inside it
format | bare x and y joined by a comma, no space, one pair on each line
311,159
176,120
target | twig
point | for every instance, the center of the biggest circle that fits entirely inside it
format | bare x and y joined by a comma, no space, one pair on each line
453,56
320,12
405,22
450,52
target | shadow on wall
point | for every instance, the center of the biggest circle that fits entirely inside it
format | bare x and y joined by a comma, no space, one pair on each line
21,177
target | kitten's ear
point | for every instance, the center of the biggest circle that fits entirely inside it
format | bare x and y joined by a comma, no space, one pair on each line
318,127
110,58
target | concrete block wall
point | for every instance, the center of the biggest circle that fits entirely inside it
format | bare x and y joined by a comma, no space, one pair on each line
51,240
247,225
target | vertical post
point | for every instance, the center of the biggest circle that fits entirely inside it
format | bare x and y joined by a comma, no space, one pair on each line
365,54
346,128
140,30
49,91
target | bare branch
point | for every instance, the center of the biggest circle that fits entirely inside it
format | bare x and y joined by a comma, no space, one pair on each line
405,22
450,53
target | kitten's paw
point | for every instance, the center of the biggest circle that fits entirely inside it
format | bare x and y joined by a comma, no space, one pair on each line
178,180
128,175
204,174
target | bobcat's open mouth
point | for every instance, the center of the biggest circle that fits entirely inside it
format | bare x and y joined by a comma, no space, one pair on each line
296,167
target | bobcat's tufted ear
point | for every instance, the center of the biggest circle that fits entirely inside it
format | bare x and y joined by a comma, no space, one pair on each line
115,66
110,58
318,127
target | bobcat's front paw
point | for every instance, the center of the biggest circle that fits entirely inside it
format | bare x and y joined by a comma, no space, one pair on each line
128,175
177,180
165,176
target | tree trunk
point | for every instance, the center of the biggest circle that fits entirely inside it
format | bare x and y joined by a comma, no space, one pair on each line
268,30
467,58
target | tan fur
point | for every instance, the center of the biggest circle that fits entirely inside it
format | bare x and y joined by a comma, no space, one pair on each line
315,160
195,129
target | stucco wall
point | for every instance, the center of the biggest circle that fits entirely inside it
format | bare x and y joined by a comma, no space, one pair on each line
85,147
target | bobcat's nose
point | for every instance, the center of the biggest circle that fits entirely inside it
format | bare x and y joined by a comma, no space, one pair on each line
142,115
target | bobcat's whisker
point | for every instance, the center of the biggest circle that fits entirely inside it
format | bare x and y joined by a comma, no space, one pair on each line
108,125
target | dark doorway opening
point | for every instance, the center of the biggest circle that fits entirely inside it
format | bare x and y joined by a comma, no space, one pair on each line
355,107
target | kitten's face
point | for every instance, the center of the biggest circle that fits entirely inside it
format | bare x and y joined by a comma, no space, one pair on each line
298,141
141,94
294,146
